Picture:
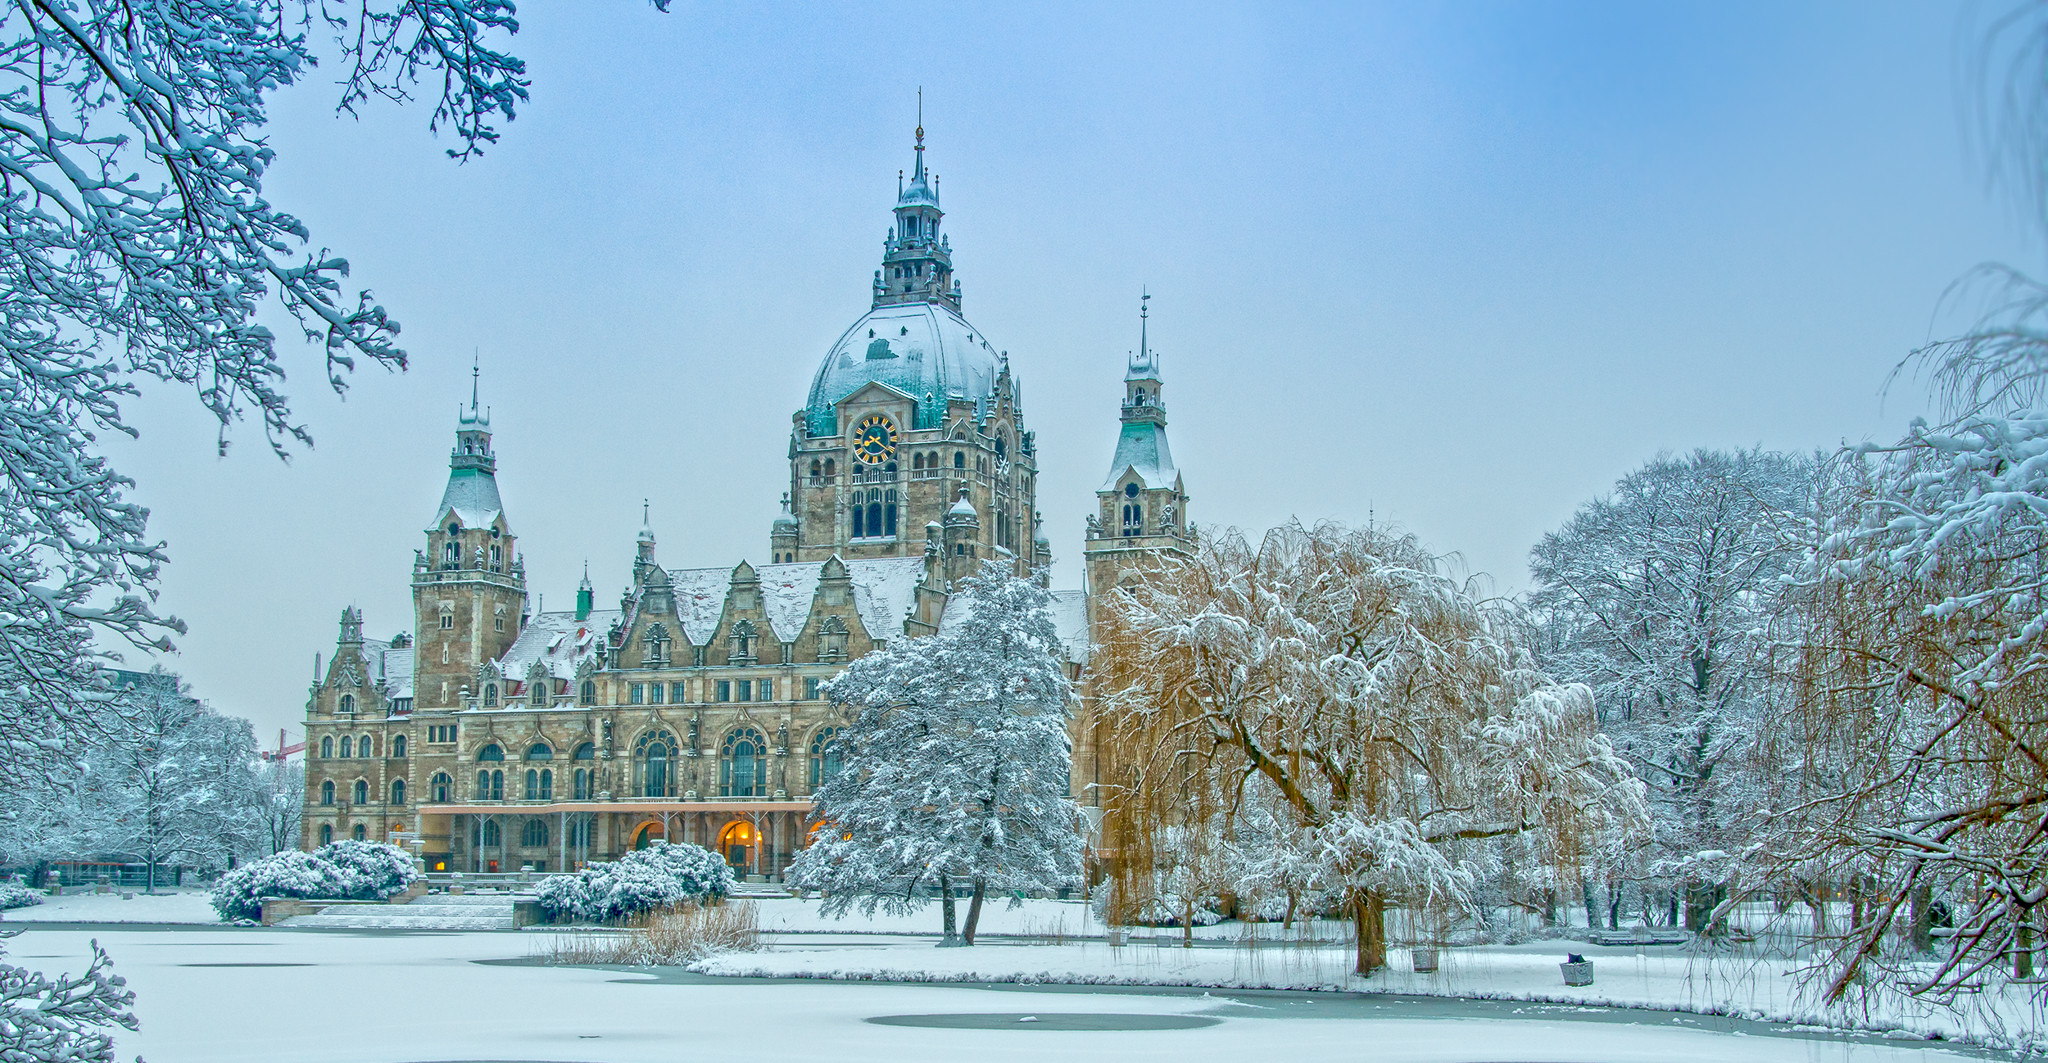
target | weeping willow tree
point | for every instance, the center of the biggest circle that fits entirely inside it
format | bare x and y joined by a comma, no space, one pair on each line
1379,715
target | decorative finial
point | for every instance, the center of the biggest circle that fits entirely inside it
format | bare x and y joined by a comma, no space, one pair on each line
1144,323
475,372
643,513
918,173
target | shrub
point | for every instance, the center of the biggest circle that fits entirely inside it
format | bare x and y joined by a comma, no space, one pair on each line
15,895
341,871
663,939
646,880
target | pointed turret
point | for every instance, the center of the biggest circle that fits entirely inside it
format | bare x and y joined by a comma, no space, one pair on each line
586,597
917,261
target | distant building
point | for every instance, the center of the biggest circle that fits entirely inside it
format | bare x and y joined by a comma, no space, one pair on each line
501,738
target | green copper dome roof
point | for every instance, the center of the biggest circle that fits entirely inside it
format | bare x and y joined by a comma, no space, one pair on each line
924,350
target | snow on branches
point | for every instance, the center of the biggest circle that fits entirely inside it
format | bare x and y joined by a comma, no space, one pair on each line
956,765
1336,676
66,1019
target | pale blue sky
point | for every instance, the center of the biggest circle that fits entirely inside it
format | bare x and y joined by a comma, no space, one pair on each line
1461,265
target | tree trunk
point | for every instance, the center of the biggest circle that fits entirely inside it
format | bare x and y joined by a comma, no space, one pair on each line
1293,898
974,910
946,906
1613,905
1592,912
2023,950
1919,933
1369,913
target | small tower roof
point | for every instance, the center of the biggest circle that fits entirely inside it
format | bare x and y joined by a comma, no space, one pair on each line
646,524
1144,363
962,511
785,519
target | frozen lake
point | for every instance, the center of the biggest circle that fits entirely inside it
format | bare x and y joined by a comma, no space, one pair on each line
366,997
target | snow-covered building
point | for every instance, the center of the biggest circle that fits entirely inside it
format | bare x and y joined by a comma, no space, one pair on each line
500,738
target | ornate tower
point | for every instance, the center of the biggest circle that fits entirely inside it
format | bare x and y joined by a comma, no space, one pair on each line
1142,508
469,585
910,407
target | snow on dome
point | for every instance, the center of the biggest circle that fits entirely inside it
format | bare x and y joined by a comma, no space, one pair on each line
963,508
558,640
923,350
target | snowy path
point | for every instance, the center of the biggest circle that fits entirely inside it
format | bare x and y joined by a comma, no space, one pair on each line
341,997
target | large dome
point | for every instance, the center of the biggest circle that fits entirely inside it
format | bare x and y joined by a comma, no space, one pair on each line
924,350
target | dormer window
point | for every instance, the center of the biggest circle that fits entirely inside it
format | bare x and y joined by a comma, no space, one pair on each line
454,529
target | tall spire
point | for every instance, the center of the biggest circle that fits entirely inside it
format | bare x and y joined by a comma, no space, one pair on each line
476,372
1142,385
917,262
918,173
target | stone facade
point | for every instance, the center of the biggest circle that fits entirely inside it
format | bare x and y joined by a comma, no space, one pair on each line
494,738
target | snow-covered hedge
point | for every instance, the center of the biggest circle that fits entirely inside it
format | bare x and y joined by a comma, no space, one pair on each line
15,895
341,871
659,876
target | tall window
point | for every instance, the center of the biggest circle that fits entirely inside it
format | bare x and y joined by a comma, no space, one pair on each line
491,836
652,755
725,690
959,459
824,757
490,785
743,764
327,792
348,746
348,703
540,784
581,779
447,619
362,792
327,834
362,833
811,688
587,693
537,690
398,791
363,747
398,746
490,695
746,689
442,784
636,693
676,693
535,834
327,747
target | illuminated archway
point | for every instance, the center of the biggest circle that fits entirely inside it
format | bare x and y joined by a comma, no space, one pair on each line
649,832
739,842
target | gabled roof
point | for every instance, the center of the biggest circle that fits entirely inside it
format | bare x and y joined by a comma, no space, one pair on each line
884,590
557,640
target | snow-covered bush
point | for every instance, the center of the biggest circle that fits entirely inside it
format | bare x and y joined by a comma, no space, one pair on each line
15,895
342,871
663,875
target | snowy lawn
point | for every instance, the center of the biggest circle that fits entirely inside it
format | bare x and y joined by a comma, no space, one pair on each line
165,906
1661,978
226,996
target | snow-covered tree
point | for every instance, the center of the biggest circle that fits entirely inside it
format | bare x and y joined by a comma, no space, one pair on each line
1659,596
140,244
66,1019
1388,709
170,780
957,764
281,795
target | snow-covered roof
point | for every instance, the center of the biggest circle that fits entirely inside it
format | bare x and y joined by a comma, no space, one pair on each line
558,640
1069,611
390,667
924,350
884,589
1141,446
472,495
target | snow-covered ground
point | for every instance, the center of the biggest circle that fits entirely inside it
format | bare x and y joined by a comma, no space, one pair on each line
165,906
224,996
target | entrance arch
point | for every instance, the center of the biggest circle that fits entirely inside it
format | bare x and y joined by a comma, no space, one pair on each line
739,843
648,833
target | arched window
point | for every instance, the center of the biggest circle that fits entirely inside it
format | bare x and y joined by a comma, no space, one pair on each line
537,691
362,832
532,785
451,553
743,764
490,752
348,703
327,792
491,836
364,747
398,791
651,757
587,694
327,834
348,746
916,462
959,459
539,751
362,792
816,470
831,469
824,757
582,783
398,745
586,751
327,747
442,784
497,556
490,695
535,834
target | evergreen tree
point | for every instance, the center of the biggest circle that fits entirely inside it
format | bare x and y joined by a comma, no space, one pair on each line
956,765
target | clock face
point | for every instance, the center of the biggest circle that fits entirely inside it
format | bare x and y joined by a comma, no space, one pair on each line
874,439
